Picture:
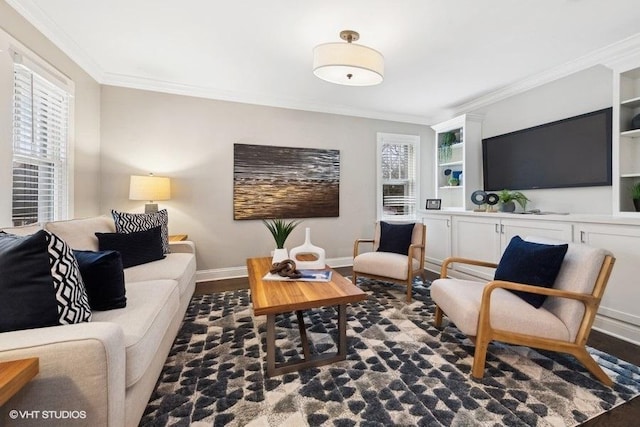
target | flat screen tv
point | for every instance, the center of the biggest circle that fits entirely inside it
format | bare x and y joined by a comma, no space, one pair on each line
574,152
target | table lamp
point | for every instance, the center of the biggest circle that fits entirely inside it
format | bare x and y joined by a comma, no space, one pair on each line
151,188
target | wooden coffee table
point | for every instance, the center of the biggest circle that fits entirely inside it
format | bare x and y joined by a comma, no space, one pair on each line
275,297
14,375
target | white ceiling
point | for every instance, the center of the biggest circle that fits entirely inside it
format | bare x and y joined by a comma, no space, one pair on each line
440,55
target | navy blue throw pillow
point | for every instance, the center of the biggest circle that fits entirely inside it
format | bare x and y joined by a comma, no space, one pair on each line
103,276
532,264
138,247
395,238
27,294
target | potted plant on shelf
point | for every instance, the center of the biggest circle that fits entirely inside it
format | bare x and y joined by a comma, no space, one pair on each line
280,230
635,194
444,149
507,199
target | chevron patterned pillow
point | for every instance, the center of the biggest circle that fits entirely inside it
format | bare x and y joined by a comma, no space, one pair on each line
40,283
128,222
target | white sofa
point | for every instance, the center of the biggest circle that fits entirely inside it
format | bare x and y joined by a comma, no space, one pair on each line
107,367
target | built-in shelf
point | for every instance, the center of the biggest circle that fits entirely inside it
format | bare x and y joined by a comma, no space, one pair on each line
464,156
631,103
635,133
460,163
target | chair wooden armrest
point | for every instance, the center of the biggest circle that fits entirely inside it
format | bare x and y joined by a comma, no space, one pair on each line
356,245
445,264
495,284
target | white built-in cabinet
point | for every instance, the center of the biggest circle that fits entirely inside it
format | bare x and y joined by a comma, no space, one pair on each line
463,158
438,232
484,236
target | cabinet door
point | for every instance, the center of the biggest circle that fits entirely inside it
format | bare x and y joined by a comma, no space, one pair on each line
476,238
620,300
523,228
438,239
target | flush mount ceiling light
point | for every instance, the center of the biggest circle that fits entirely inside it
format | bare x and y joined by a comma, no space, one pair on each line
347,63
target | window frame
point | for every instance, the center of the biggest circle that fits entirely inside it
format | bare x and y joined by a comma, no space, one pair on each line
397,139
60,165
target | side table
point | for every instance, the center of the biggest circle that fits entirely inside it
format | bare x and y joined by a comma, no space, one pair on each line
14,375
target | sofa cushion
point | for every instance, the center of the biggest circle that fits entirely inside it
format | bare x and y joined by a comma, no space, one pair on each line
103,276
460,300
151,307
176,266
80,233
531,263
24,230
395,238
129,222
138,247
40,284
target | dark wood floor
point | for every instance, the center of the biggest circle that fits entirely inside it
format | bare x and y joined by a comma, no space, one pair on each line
626,415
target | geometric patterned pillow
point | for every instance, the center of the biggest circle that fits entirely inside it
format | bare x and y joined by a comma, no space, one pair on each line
71,295
128,223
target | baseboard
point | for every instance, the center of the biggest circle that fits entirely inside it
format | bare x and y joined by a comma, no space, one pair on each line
234,272
616,328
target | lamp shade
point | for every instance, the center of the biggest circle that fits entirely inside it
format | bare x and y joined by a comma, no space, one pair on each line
149,188
348,64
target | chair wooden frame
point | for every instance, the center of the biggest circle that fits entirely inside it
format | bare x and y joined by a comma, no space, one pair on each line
408,282
486,333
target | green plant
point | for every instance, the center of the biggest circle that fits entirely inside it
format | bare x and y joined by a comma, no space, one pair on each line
507,196
635,191
448,138
280,230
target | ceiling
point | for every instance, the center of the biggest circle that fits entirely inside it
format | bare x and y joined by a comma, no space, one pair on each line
441,56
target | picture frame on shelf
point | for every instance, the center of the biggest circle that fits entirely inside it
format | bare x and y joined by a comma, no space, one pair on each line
433,204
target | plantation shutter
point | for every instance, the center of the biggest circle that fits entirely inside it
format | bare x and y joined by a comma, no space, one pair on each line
40,148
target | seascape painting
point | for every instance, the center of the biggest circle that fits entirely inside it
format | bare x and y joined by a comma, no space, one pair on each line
285,182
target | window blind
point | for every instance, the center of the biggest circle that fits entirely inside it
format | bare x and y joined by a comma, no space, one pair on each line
398,170
40,148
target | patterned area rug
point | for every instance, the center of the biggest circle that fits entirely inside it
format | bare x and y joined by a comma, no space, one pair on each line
400,370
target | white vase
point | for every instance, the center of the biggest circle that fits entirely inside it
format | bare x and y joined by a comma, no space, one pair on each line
279,255
308,248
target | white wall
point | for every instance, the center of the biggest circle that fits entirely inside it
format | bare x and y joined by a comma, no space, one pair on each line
579,93
191,140
87,115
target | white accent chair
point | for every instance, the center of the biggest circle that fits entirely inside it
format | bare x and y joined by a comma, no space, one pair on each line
388,266
488,311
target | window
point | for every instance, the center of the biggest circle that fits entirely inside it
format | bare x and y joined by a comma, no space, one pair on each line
397,175
40,145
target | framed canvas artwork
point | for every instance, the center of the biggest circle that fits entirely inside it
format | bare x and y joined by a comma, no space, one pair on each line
285,182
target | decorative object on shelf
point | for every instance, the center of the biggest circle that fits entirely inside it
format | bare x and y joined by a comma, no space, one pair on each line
280,230
492,200
635,122
434,204
348,63
478,198
444,149
150,188
636,196
308,249
457,175
507,199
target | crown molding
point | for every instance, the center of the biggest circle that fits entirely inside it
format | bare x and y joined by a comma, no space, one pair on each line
41,21
606,56
135,82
